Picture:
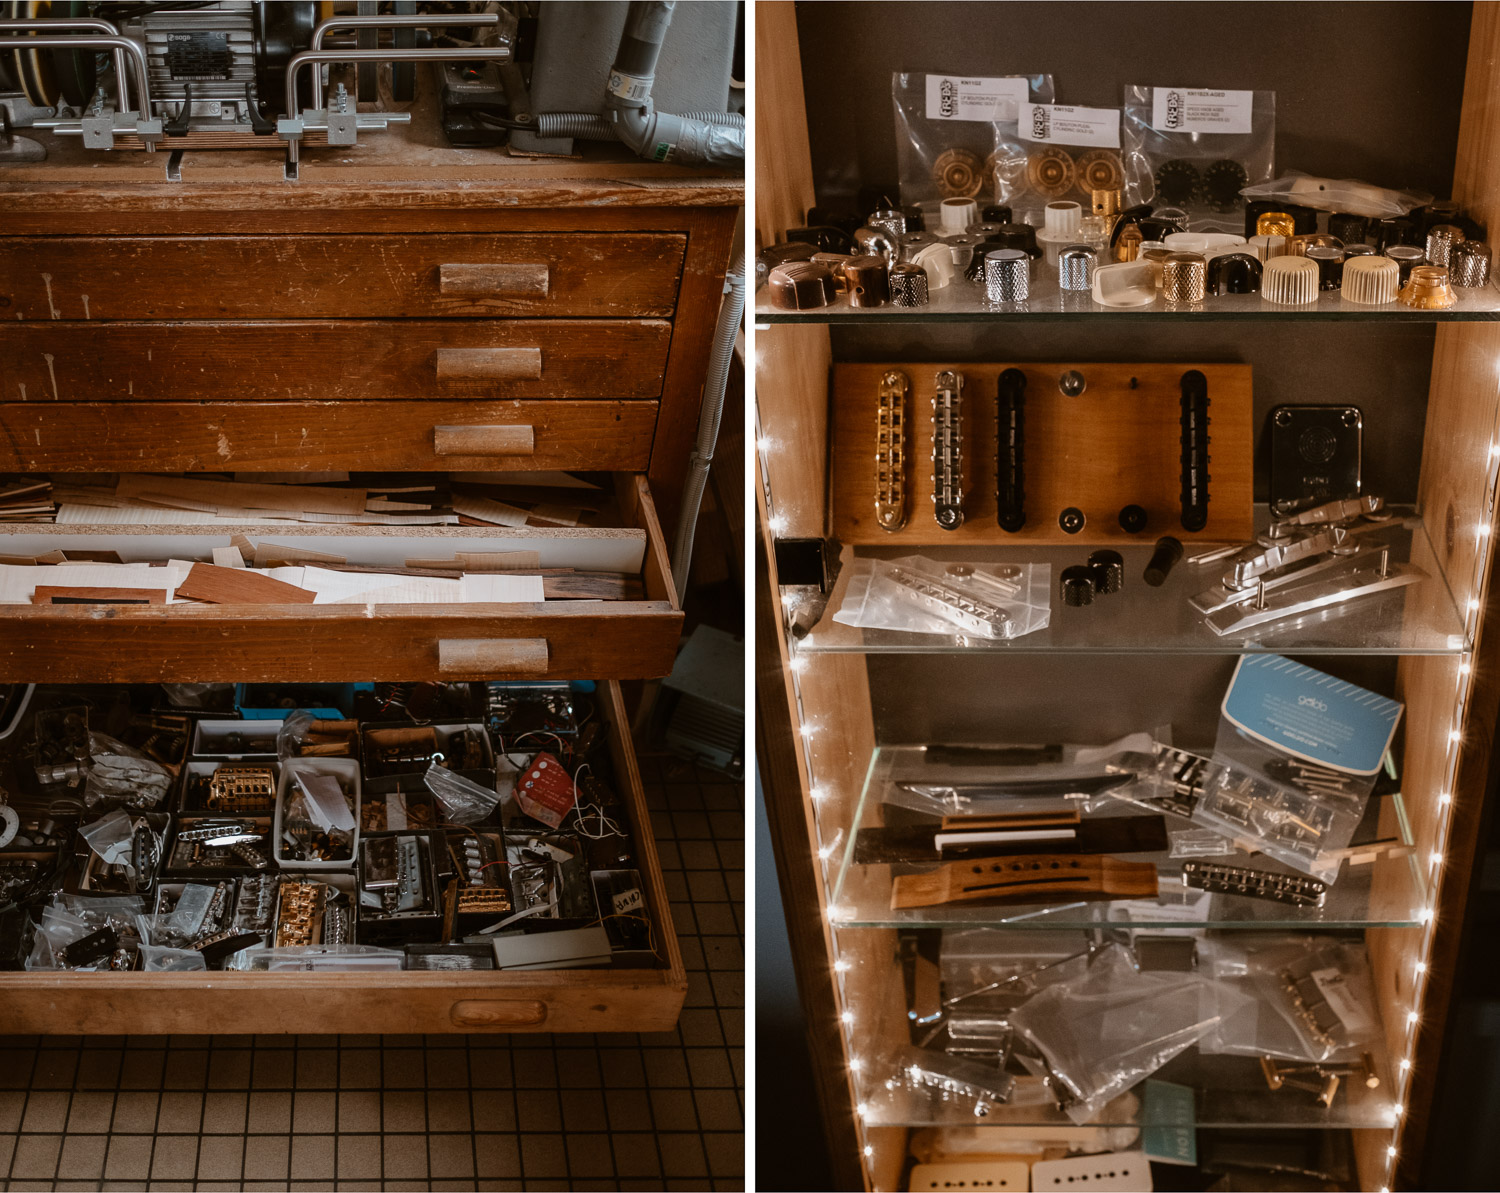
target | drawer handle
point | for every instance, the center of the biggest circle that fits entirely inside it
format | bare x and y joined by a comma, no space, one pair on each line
469,656
480,280
498,364
486,1012
514,440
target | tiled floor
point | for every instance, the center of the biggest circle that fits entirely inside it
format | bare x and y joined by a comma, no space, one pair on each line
413,1112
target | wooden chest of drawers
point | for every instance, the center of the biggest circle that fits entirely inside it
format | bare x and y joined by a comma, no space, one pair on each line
379,315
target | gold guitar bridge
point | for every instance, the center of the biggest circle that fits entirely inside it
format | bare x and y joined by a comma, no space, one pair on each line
890,451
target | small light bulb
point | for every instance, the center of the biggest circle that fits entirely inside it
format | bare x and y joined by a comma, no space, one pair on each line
1398,1110
763,444
1473,604
1425,916
818,794
841,966
1412,1018
1464,668
856,1065
1484,530
1391,1151
1421,968
1455,736
1405,1064
862,1109
838,912
869,1151
790,600
1445,799
1495,451
799,664
778,525
1437,858
848,1018
807,731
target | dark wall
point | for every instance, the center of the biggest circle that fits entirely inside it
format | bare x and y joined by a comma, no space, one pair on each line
1367,91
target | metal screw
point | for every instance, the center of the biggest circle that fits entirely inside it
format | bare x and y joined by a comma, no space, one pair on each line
1072,383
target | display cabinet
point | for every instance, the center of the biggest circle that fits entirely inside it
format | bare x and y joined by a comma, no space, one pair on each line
844,712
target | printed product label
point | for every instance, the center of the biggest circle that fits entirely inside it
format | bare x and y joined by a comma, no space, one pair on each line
1063,124
1189,110
1346,1006
1310,715
952,97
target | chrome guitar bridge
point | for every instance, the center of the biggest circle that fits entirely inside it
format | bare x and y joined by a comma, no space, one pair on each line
890,451
947,450
956,600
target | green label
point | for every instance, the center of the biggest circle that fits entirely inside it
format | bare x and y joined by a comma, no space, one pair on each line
1167,1135
663,151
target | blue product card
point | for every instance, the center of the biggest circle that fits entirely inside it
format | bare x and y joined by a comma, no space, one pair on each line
1167,1134
1312,716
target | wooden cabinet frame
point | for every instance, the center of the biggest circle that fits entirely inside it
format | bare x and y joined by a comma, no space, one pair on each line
816,726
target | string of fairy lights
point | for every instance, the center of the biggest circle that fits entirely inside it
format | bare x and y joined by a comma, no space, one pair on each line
778,523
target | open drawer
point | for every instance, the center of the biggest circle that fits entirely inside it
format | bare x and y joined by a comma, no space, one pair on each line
150,643
406,1001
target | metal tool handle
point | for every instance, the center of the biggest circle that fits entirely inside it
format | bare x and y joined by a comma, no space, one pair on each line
494,280
482,656
516,439
489,364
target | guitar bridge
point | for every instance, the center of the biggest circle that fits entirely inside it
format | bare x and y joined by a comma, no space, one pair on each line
890,451
964,608
947,450
1292,889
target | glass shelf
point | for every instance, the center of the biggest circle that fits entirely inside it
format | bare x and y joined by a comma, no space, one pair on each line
965,302
1388,892
1422,619
1228,1091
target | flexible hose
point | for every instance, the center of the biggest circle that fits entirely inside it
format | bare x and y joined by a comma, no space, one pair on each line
585,126
715,385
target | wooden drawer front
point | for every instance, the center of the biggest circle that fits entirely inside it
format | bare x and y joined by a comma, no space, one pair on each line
558,275
337,643
90,362
238,1003
316,436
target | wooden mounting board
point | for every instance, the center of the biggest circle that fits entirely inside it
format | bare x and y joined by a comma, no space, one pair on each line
1116,444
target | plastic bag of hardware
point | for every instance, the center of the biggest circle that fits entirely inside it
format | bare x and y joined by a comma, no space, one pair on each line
1311,998
70,919
464,801
917,595
1113,1026
1197,149
160,958
962,780
121,776
1296,758
951,131
320,957
112,837
944,1080
1338,194
1062,154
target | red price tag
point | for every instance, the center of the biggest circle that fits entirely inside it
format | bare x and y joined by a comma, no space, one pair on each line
546,791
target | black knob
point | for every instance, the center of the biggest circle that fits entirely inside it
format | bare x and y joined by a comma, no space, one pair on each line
996,213
1108,570
1071,520
1234,273
914,219
1350,228
1163,560
1077,586
828,238
1132,519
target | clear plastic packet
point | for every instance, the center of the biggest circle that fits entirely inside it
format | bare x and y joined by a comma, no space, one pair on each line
953,130
119,775
324,957
1102,1032
70,918
1308,998
942,1079
1338,194
163,958
1197,150
1200,842
1062,154
918,595
112,837
292,734
463,800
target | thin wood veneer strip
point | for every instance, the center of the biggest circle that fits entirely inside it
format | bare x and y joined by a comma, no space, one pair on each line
240,586
58,595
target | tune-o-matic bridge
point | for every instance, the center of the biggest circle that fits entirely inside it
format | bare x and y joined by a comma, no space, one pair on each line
890,451
947,450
